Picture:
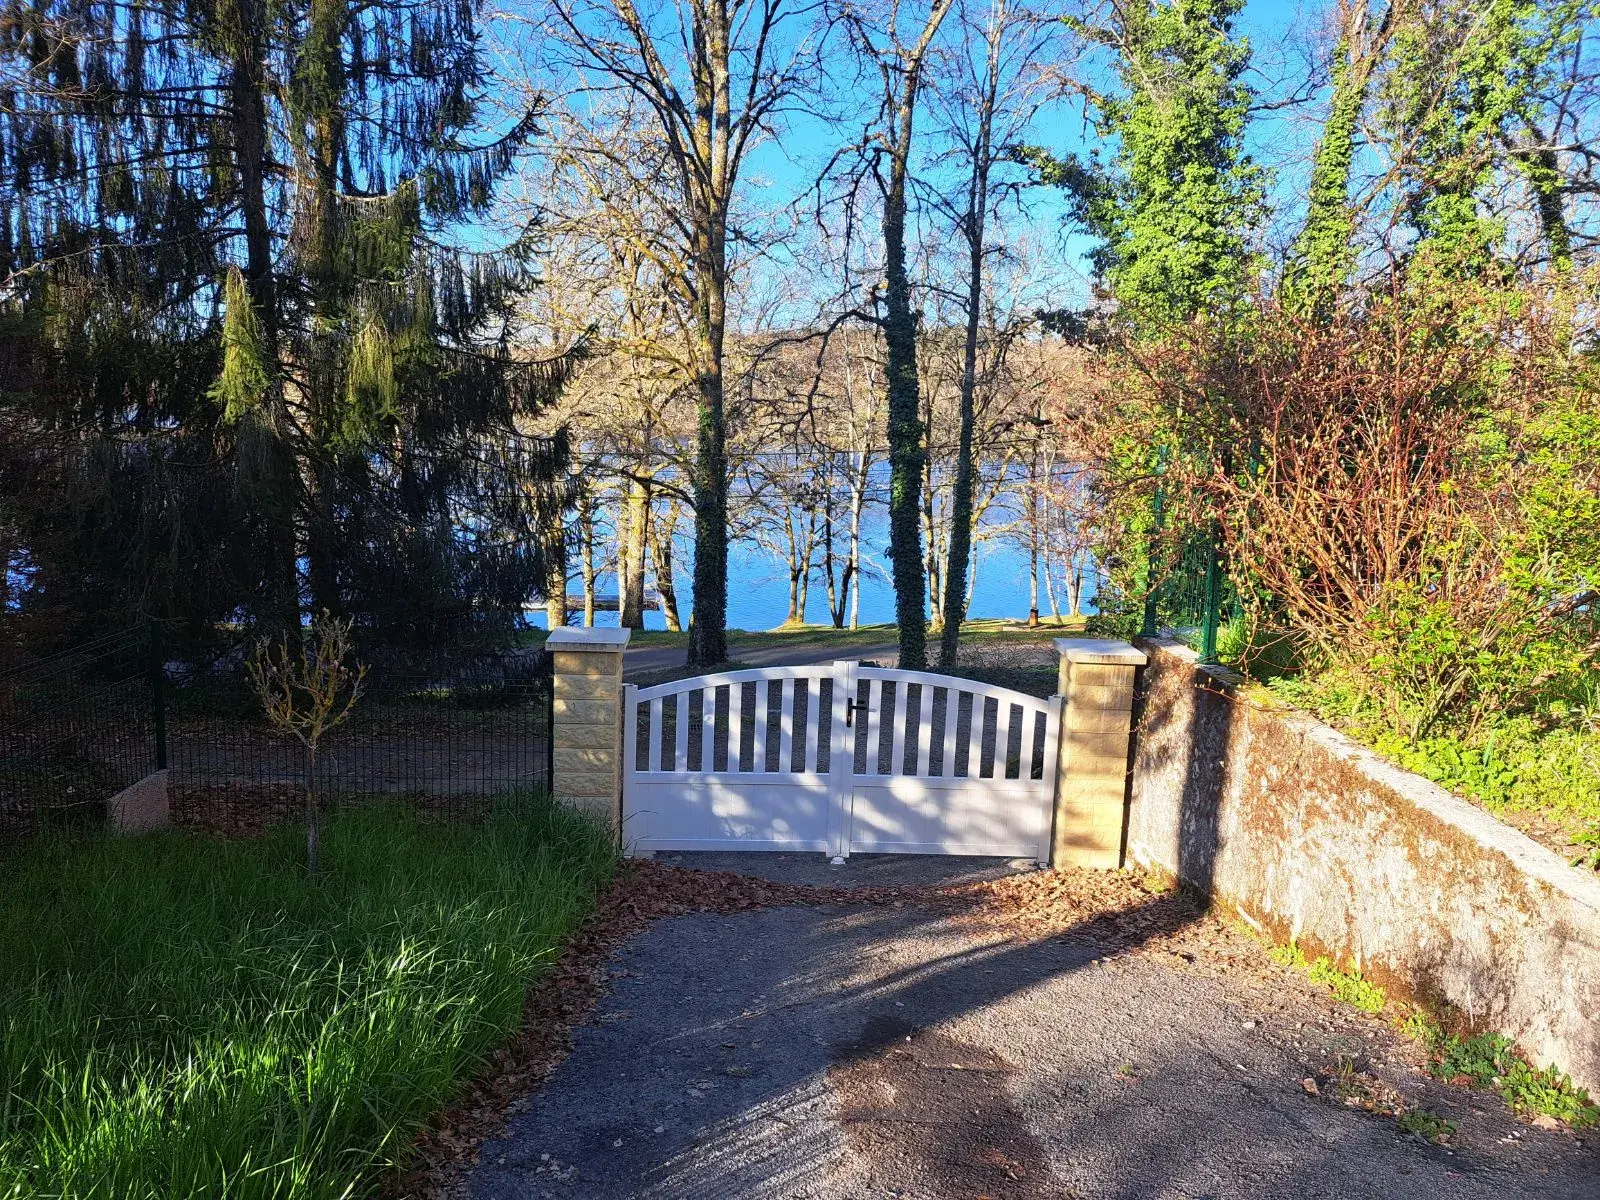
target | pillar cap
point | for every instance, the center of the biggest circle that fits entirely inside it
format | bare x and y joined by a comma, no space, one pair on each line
573,639
1109,651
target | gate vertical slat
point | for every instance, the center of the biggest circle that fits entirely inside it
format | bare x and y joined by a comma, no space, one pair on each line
758,752
924,731
708,728
874,729
680,735
1052,762
897,740
1003,719
952,717
735,725
630,734
786,727
841,757
657,718
980,713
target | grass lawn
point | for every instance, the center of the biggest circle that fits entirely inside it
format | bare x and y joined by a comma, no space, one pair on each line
984,628
182,1016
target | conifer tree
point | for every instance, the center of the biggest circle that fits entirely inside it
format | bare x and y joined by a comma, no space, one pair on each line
270,193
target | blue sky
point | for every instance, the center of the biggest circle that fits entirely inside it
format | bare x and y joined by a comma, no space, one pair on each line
1281,32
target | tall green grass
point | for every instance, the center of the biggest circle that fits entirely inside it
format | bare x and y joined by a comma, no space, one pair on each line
186,1017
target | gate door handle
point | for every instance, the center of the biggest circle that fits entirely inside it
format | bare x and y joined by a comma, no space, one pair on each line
850,708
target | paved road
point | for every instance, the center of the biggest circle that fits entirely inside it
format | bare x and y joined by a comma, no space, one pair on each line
889,1052
645,660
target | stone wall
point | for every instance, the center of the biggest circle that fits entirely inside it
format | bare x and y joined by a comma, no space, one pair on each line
1309,836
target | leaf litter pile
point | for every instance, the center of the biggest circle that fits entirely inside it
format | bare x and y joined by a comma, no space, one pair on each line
1111,909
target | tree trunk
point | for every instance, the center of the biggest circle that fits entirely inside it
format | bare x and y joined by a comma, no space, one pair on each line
829,562
1050,588
805,570
311,810
632,534
858,499
555,580
907,454
248,110
1033,579
586,534
661,558
1323,253
955,582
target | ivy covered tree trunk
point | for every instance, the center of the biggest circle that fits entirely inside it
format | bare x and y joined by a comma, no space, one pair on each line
1324,252
708,636
907,453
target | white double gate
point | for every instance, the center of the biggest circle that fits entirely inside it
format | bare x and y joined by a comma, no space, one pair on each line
837,758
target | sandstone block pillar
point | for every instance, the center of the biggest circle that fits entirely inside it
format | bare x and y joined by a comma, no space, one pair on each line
1096,677
586,725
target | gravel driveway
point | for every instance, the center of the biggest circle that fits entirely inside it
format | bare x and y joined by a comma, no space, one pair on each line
894,1051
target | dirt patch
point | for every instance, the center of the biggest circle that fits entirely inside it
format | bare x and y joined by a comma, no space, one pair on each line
238,810
933,1116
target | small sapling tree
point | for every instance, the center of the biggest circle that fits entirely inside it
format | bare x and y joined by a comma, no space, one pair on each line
307,690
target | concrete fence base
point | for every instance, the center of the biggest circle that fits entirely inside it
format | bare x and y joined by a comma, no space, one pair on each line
141,807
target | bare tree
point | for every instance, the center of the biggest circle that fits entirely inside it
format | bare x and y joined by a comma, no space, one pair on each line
710,76
991,92
306,691
898,58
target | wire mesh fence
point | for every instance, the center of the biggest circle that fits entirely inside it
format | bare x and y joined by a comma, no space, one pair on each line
77,728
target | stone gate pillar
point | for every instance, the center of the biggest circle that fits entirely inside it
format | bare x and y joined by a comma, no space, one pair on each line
586,726
1096,677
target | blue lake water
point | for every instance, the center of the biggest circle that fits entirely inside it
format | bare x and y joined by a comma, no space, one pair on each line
758,585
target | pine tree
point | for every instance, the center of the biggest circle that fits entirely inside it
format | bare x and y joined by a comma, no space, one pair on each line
272,191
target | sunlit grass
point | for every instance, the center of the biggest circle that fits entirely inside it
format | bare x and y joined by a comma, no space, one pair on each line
181,1016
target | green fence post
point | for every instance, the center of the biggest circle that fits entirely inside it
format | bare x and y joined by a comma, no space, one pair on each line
158,694
1147,627
1213,600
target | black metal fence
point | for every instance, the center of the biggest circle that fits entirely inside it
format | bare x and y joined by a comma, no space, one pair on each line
77,727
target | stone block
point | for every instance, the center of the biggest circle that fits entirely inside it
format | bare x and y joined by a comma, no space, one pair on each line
572,736
142,806
1091,718
587,663
1100,675
584,712
588,687
1082,745
1078,791
567,758
585,783
1096,696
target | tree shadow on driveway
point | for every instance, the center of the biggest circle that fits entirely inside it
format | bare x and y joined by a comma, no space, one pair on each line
764,1054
